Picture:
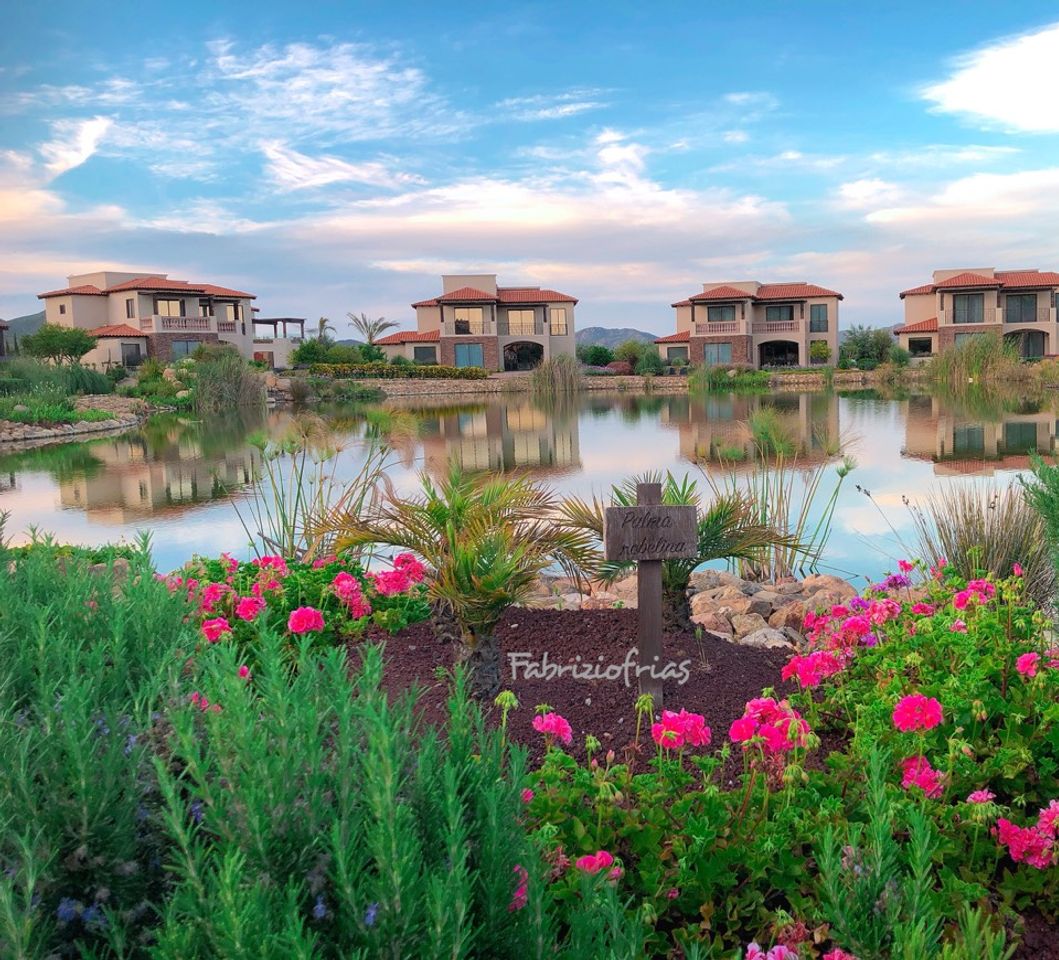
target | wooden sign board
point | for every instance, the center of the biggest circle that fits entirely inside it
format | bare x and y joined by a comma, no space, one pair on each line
650,533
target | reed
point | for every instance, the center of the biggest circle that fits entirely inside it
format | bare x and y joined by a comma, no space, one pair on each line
225,381
557,376
980,358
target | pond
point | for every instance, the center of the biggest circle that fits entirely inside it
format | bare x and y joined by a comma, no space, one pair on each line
174,477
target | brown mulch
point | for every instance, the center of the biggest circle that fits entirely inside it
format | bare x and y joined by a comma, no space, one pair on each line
722,675
1040,939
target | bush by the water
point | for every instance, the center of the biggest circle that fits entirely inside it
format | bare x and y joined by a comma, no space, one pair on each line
727,377
21,375
223,380
389,371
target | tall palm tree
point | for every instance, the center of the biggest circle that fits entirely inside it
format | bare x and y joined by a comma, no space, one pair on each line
485,539
324,329
370,329
727,529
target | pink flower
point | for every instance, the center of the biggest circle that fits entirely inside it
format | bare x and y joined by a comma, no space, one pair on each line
811,668
244,673
595,862
271,563
981,796
672,893
681,729
249,607
919,773
216,628
199,700
211,593
838,954
391,582
348,589
409,566
1030,845
1016,568
958,626
527,795
905,566
305,620
777,726
552,725
917,712
324,561
1027,664
518,900
229,562
923,609
261,586
778,952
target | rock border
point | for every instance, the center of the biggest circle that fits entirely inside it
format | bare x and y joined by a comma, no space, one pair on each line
128,412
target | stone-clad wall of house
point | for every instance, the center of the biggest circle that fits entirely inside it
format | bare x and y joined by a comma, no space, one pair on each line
490,351
741,353
947,332
160,345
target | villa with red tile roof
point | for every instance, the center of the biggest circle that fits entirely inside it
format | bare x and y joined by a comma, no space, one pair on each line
755,324
475,323
959,303
140,315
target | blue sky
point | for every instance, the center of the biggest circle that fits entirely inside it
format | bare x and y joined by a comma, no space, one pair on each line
339,156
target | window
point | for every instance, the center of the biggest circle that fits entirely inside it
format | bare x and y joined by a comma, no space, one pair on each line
557,322
185,348
169,308
968,440
818,318
1020,308
520,323
968,308
717,353
231,312
131,355
781,313
130,308
205,308
62,308
920,346
468,319
677,353
1020,437
425,354
722,314
470,354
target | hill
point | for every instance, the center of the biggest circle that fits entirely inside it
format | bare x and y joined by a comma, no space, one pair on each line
21,326
610,337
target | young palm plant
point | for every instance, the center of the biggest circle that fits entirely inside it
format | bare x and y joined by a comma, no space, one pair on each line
370,329
485,539
727,529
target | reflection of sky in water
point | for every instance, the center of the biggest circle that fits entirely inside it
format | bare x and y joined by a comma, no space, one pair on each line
170,477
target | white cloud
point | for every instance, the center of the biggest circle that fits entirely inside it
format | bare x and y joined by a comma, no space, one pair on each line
867,193
552,106
735,136
1011,83
757,99
292,170
74,142
939,155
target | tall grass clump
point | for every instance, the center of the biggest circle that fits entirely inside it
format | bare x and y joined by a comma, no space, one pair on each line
1041,491
724,379
770,435
979,358
556,376
979,531
225,381
21,375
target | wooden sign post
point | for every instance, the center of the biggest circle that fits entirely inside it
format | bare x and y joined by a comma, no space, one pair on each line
650,533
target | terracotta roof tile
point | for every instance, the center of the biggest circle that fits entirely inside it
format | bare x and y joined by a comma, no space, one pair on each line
722,293
409,336
1027,278
925,288
533,295
920,326
684,336
794,291
85,290
155,283
681,303
432,302
117,330
967,280
464,294
214,291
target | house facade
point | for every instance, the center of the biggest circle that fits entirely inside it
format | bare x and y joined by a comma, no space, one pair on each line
755,324
1020,305
474,322
135,316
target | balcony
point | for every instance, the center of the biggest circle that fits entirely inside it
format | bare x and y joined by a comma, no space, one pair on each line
468,328
719,328
225,326
776,326
507,329
157,324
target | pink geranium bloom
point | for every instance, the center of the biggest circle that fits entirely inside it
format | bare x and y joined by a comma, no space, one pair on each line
409,566
776,725
216,628
323,562
917,712
923,609
552,725
958,626
249,607
981,796
518,901
778,952
263,586
1027,664
391,582
527,795
1030,845
811,668
905,566
278,564
594,862
305,620
348,589
229,562
838,954
1016,568
211,593
681,729
672,893
917,772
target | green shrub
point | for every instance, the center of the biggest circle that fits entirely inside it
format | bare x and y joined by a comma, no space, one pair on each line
22,375
399,360
57,343
632,350
650,364
310,351
223,380
594,355
726,378
391,372
819,351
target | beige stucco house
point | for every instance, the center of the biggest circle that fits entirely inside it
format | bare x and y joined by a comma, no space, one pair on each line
959,303
474,322
135,316
758,324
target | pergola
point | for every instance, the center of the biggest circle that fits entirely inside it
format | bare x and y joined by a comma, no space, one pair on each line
276,322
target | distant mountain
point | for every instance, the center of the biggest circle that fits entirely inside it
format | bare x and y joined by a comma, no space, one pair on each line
610,337
21,326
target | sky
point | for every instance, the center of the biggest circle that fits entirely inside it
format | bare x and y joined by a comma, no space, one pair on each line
335,157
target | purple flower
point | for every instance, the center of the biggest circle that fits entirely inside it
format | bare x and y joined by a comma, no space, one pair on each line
68,910
858,603
896,580
319,908
94,919
130,743
369,915
196,811
869,640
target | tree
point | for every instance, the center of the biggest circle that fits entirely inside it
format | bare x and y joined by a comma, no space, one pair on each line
485,539
594,355
370,329
60,344
867,346
819,351
324,329
630,351
727,529
650,364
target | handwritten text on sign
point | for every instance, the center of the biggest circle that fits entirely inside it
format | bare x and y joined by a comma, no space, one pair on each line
649,533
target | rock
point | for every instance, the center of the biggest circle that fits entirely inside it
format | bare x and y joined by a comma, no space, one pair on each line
169,374
767,638
710,579
789,588
824,581
795,636
181,394
790,615
20,408
571,601
746,623
771,598
714,623
823,600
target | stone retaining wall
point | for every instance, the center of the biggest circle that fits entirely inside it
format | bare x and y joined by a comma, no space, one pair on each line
127,412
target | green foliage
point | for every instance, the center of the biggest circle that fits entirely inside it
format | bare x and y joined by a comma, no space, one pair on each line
866,347
981,358
223,381
400,360
819,351
1041,491
631,351
557,376
900,357
59,344
21,375
314,351
593,355
388,371
650,364
727,379
46,405
370,328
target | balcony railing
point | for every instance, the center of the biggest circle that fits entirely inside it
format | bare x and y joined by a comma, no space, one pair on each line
157,324
1000,315
775,326
507,329
717,328
468,328
225,326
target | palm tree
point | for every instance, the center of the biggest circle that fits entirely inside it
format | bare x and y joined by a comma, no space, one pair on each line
727,529
370,329
324,329
485,539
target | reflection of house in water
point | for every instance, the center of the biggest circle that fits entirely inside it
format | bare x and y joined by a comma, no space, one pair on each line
719,426
139,478
500,436
962,444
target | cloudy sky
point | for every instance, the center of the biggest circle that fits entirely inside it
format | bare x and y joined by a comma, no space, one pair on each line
339,156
